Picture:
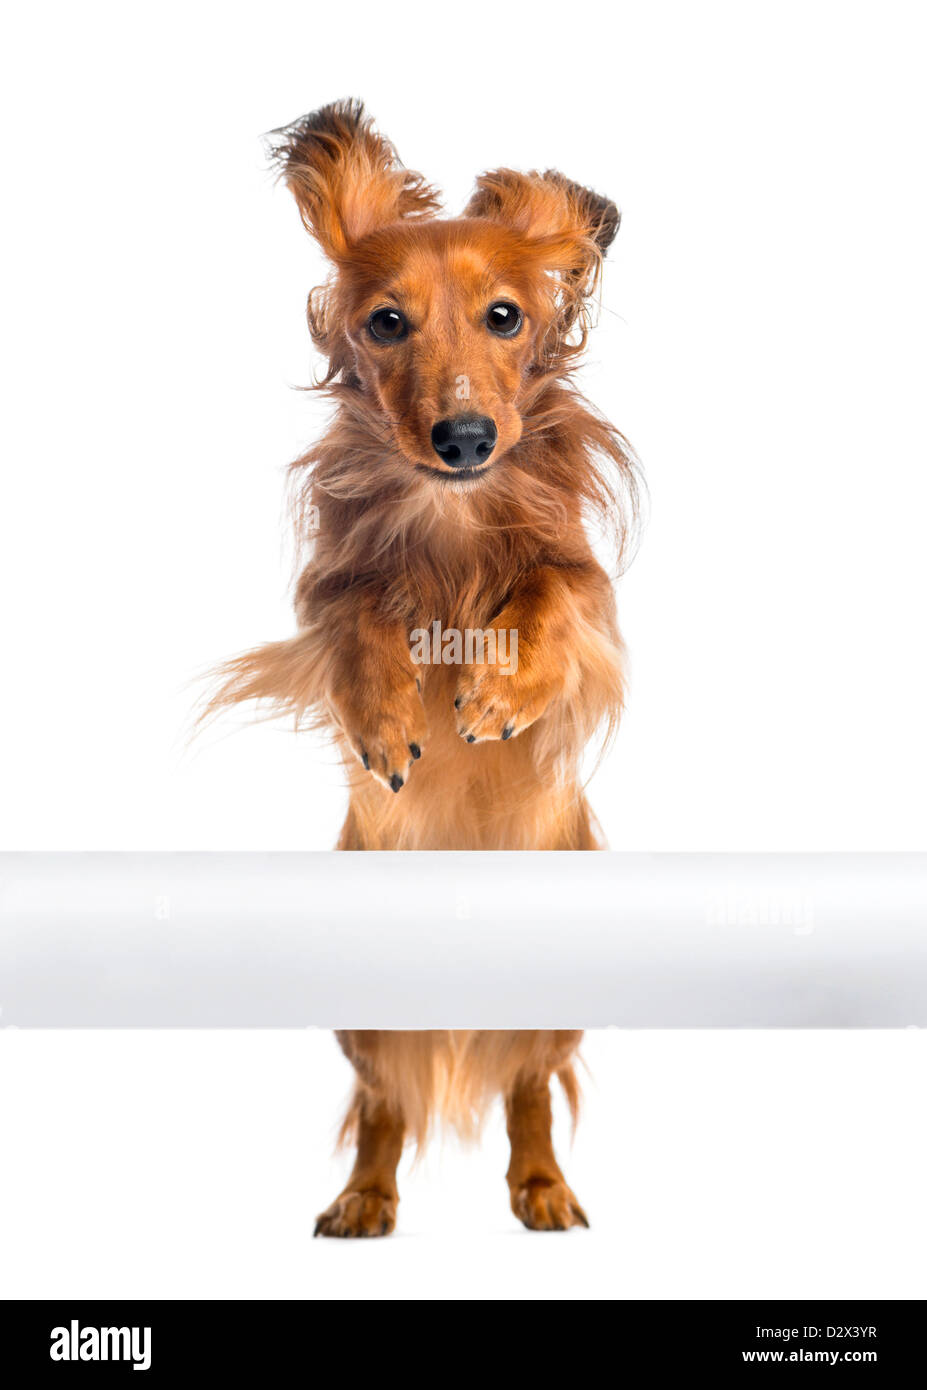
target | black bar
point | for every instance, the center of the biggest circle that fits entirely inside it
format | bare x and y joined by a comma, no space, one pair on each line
237,1339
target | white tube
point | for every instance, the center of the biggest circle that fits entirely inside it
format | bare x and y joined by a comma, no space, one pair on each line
464,940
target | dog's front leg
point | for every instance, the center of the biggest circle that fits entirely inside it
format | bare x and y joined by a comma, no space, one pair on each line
373,694
555,640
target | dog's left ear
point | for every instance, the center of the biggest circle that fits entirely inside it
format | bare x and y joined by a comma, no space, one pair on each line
571,227
346,177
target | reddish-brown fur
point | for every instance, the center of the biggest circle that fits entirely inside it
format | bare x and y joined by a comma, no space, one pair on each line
402,540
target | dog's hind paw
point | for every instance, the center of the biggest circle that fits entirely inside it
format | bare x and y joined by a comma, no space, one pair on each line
544,1204
358,1213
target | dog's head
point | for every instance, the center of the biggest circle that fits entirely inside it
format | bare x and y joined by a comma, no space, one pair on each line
444,324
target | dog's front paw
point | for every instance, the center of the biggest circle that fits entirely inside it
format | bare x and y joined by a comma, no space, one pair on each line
365,1212
492,703
386,730
546,1204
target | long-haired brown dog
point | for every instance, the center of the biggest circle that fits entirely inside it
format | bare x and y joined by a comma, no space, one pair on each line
451,489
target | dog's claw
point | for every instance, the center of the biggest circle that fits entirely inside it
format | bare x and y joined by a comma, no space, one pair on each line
415,751
396,782
471,738
366,761
507,732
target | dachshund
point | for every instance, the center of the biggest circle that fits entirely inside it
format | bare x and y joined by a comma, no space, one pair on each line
456,636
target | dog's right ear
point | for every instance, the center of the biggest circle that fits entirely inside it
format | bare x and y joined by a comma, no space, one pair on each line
346,177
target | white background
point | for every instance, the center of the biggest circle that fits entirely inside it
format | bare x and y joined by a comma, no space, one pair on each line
712,1165
761,341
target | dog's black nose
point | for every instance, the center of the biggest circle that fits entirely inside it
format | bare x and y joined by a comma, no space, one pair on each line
465,441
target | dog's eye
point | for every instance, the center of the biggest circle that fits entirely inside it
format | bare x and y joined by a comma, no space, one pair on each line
503,318
387,325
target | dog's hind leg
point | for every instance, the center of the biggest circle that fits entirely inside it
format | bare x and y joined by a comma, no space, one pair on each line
539,1193
367,1206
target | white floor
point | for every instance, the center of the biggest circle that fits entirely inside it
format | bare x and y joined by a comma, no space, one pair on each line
712,1165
